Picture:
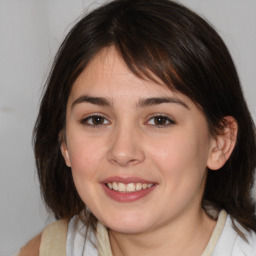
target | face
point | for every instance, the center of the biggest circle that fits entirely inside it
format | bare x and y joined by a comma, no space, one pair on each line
138,151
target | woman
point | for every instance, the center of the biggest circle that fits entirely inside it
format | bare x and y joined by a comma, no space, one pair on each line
144,143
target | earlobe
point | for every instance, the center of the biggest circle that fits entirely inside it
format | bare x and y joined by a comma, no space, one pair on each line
223,144
64,150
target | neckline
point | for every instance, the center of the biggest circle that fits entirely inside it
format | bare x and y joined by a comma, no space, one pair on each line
215,234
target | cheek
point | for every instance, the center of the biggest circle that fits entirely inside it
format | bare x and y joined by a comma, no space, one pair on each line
181,156
85,155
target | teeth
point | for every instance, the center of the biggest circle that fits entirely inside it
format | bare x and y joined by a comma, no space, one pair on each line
128,188
121,187
138,186
115,187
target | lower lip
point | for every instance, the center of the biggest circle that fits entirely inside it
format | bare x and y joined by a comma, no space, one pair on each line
127,197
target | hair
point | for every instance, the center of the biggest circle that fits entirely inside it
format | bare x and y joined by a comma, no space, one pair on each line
155,38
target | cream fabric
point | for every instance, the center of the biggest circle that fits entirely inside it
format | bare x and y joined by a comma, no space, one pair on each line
215,234
53,240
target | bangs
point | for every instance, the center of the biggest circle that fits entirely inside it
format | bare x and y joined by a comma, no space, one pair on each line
146,58
160,49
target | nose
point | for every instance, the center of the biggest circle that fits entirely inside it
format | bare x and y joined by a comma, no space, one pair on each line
126,147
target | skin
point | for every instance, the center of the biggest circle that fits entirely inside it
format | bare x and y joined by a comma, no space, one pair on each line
127,141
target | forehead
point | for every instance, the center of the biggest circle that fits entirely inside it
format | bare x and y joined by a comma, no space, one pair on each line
106,67
106,75
108,70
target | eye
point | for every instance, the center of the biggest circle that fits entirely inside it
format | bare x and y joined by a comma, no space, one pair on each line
95,120
160,120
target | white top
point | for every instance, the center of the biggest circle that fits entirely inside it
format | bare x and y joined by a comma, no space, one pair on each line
231,244
76,244
224,241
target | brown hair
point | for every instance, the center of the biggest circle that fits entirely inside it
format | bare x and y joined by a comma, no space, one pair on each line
166,39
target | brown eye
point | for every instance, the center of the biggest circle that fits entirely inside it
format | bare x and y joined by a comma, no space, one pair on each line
160,121
95,120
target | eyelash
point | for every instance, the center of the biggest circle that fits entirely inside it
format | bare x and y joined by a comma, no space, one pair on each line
89,121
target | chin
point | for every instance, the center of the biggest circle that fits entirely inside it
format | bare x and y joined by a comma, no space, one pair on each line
128,224
127,229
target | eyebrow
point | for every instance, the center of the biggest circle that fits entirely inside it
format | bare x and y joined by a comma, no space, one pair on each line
100,101
160,100
144,102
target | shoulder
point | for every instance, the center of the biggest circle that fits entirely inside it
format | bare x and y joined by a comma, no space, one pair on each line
31,248
53,237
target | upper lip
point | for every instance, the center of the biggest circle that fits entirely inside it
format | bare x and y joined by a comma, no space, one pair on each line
127,180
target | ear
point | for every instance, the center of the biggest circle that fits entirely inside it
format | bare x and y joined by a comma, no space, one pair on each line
64,149
222,144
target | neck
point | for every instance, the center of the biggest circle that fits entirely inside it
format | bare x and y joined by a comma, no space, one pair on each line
187,235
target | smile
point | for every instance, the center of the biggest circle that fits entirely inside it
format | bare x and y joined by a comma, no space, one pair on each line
128,188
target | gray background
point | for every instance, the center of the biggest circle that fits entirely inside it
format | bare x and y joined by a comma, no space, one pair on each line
30,32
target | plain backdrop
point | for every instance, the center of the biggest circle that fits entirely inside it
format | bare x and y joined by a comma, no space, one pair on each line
30,33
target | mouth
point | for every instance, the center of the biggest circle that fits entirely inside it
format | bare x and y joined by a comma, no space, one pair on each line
127,189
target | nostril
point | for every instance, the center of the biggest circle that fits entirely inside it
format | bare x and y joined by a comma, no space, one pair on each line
124,161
